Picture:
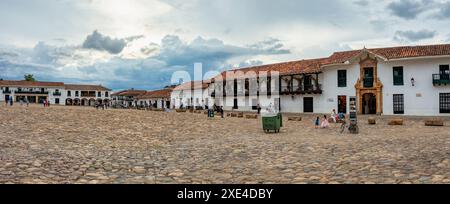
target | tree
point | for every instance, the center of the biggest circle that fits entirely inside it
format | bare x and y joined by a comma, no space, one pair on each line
29,77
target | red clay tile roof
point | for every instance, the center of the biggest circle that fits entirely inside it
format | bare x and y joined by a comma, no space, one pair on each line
131,92
311,66
193,85
86,87
31,83
163,93
393,53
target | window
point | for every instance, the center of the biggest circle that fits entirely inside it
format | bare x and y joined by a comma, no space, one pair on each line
307,83
99,94
399,104
56,100
398,76
106,94
76,94
444,72
342,78
444,103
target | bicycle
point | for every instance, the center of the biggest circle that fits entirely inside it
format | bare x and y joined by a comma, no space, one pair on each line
343,126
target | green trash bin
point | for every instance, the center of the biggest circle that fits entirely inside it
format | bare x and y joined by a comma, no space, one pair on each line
272,122
210,113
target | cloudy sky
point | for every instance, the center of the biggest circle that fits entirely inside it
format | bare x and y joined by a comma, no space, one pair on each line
140,43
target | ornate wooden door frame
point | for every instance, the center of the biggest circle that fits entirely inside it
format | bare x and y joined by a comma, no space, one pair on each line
377,88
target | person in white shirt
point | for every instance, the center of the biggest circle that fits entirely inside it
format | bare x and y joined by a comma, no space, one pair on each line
333,115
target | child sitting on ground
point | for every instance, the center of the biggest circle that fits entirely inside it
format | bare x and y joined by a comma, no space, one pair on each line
325,123
317,122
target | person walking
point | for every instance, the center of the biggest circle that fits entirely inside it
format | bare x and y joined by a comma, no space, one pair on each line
221,112
27,101
11,102
7,100
259,109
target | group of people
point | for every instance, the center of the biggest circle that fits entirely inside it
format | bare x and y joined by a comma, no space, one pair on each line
9,101
46,103
218,109
325,123
98,105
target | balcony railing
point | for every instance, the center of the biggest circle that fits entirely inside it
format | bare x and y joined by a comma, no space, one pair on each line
441,79
7,92
368,82
30,92
57,94
309,89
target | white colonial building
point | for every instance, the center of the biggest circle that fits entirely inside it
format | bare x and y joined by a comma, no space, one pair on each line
412,80
57,93
155,99
192,95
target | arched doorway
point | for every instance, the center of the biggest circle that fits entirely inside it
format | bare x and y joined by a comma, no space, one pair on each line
91,102
99,101
76,102
106,101
84,102
369,103
69,102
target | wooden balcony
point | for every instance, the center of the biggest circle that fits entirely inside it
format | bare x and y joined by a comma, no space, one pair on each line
441,79
31,92
301,90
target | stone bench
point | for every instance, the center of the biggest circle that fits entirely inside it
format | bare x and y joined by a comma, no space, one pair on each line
434,122
240,115
233,115
294,118
372,121
191,110
396,122
251,116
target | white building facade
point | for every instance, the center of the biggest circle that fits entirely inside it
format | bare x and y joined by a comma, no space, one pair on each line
192,95
56,93
160,99
386,81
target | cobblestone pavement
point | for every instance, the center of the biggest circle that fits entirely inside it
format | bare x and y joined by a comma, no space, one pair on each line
84,145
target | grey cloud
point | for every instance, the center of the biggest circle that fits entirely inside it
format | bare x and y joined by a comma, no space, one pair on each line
413,36
409,9
361,2
444,11
8,55
152,48
170,55
101,42
132,38
250,63
213,51
270,46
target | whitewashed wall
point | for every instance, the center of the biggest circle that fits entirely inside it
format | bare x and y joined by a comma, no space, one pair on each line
200,97
421,99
